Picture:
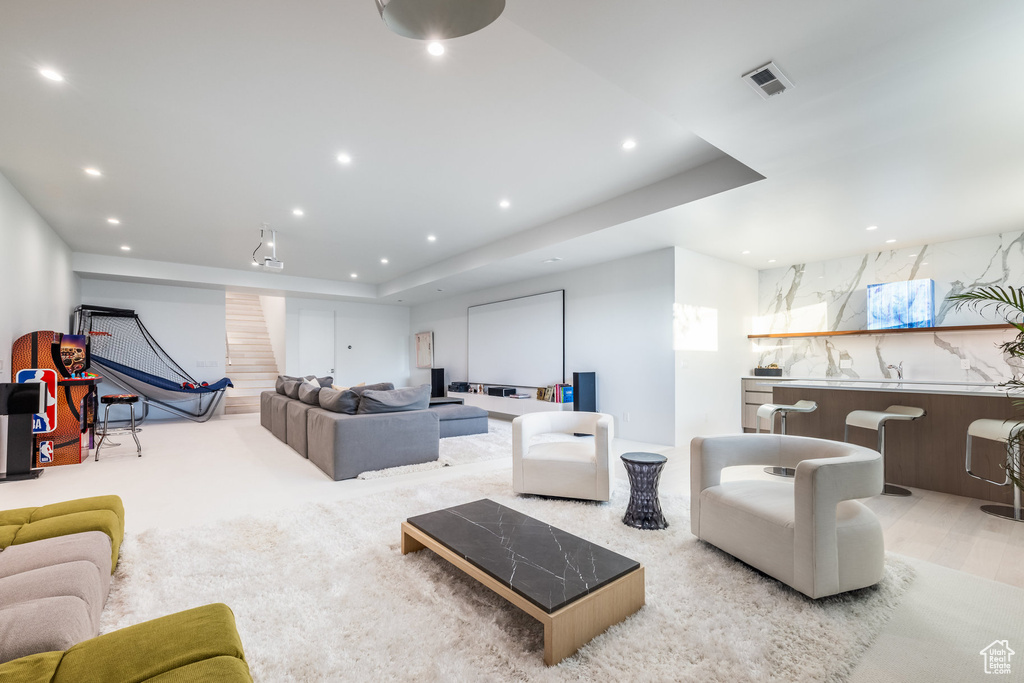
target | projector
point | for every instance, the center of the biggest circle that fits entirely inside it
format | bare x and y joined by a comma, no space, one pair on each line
271,262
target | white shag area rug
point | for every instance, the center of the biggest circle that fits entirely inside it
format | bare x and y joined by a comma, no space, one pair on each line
462,450
323,593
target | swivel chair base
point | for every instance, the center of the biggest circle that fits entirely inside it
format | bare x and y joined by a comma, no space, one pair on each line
780,471
1004,511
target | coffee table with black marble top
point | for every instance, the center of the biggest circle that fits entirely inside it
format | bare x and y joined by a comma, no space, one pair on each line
574,588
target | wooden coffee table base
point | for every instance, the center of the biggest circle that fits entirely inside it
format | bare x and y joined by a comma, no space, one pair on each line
565,630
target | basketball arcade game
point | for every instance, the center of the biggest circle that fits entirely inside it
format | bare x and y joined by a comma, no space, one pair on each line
59,362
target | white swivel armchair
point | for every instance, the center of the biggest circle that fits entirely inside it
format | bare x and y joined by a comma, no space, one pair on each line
808,533
566,469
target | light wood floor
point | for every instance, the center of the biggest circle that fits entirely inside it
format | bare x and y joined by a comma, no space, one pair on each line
938,527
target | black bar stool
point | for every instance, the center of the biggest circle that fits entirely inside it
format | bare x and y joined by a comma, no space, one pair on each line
119,400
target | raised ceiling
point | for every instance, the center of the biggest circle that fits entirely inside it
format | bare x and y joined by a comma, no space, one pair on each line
210,119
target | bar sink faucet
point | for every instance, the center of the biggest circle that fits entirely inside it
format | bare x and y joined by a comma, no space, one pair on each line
897,368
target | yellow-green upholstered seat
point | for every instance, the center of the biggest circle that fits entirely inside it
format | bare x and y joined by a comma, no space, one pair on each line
199,645
100,513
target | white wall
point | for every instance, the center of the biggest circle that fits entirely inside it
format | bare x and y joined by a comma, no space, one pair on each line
712,349
38,290
377,334
274,314
189,323
618,323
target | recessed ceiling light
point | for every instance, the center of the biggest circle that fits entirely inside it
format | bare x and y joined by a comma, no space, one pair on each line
93,171
872,227
52,75
114,221
771,260
435,48
384,261
440,290
924,263
629,144
354,275
125,247
745,252
344,158
270,244
431,238
254,263
913,256
504,203
298,212
889,241
553,259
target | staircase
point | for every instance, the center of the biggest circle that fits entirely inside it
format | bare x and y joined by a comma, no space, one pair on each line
250,363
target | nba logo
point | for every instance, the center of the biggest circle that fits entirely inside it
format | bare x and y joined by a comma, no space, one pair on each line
45,452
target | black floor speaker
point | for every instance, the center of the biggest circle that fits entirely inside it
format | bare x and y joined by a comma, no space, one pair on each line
584,391
436,382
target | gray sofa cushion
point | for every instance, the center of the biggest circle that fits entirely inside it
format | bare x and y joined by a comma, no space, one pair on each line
296,416
291,388
90,546
279,416
57,623
309,395
281,379
265,398
460,420
344,446
79,579
395,400
346,402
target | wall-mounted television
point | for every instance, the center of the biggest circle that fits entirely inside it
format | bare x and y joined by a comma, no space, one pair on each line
893,305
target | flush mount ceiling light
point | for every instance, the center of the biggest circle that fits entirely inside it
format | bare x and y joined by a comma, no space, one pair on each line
95,172
52,75
298,212
871,227
431,238
384,261
344,158
438,19
504,203
125,247
889,241
114,221
629,144
435,48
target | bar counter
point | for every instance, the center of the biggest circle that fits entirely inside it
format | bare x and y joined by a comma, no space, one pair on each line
928,453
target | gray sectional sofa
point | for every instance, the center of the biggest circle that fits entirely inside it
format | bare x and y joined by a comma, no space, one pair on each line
363,428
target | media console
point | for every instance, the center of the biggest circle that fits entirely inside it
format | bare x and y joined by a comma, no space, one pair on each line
508,406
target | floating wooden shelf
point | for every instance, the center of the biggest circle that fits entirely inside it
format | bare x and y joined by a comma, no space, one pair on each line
902,330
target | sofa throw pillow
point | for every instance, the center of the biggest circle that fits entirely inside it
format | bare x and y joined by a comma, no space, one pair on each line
379,386
395,400
309,393
339,401
281,379
291,387
325,381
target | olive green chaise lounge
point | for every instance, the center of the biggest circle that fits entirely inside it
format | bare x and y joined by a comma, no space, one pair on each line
102,513
199,645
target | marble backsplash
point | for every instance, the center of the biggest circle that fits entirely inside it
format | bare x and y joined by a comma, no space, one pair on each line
832,295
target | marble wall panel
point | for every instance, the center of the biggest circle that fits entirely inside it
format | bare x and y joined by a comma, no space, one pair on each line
832,295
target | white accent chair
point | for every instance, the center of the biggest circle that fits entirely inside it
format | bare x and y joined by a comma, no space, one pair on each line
808,534
566,469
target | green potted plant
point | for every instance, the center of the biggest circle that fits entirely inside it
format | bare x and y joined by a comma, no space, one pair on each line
1008,303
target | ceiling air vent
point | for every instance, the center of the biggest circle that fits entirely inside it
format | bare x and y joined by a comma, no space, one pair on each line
768,80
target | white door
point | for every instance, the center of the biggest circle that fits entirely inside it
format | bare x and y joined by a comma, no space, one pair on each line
316,343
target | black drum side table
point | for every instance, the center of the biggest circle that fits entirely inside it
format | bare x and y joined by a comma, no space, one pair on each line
644,470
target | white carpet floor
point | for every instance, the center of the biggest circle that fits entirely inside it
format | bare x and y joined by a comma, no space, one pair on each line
322,593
